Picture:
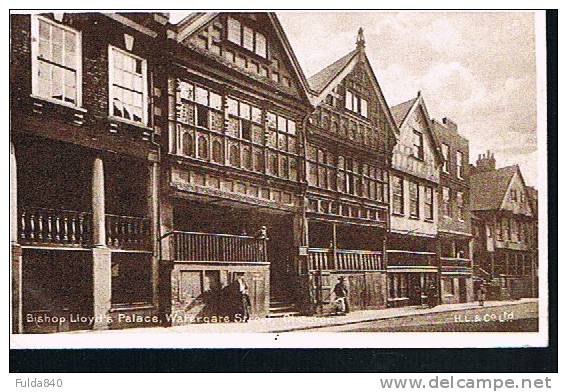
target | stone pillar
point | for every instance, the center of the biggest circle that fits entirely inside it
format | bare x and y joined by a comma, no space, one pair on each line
102,284
17,321
99,229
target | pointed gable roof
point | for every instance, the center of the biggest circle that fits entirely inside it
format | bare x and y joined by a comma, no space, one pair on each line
489,188
401,112
322,78
322,82
194,21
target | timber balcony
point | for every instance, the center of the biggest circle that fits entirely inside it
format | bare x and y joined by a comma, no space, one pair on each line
403,259
56,227
343,260
210,247
456,265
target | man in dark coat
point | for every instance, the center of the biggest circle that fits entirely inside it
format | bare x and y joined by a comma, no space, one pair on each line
432,295
341,294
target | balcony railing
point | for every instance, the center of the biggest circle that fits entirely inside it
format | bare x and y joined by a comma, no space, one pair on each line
402,258
50,226
455,262
209,247
47,226
128,232
345,260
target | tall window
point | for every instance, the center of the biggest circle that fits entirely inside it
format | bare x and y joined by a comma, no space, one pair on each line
56,61
247,37
356,104
506,228
128,87
414,199
446,202
398,195
445,151
418,144
460,167
460,207
513,195
429,203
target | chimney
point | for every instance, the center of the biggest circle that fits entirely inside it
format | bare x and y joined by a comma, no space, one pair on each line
486,162
450,124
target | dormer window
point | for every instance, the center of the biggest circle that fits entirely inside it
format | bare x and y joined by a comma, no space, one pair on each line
247,37
356,104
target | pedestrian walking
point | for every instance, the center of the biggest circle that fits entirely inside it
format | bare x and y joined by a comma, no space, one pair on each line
341,295
244,298
432,295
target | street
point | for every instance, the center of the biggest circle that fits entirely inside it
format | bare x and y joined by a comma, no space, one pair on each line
520,317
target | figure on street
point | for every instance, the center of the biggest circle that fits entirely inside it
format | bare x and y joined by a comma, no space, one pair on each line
341,295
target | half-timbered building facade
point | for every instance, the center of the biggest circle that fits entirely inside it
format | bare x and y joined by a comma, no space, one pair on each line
232,189
348,147
506,228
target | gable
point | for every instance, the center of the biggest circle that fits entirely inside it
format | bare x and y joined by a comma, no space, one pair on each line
353,70
416,123
252,43
516,198
368,128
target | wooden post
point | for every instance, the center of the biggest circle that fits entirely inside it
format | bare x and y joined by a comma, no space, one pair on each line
102,285
334,256
439,269
17,321
154,231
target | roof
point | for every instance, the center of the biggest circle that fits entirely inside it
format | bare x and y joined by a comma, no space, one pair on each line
322,78
194,21
401,111
488,189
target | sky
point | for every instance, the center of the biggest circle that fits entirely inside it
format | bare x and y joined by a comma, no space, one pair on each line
478,69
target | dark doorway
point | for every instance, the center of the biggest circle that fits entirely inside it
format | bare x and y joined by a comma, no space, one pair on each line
57,290
462,290
414,289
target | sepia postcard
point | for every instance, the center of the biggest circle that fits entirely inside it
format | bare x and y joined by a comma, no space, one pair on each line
278,179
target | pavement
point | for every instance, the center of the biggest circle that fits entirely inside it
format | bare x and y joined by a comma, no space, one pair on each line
351,321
